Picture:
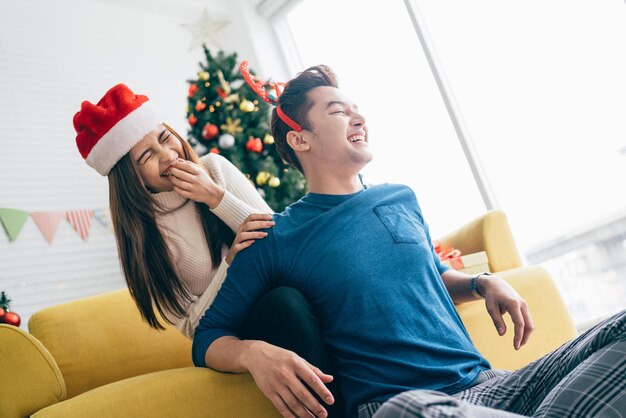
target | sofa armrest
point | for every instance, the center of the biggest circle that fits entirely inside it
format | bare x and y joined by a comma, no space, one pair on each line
491,233
103,339
185,392
33,379
553,324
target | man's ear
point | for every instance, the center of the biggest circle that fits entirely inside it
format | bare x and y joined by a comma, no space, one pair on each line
297,141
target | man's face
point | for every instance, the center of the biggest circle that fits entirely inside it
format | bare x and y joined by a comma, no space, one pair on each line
338,136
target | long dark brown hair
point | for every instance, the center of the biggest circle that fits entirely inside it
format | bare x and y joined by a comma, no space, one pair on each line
144,256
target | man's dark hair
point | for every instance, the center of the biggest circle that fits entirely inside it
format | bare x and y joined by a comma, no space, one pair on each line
295,103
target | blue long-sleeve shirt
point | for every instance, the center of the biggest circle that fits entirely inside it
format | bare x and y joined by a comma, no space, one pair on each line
366,264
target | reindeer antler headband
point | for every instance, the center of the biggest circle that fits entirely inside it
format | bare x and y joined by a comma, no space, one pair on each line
259,88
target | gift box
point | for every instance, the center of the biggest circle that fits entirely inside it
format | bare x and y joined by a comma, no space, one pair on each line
470,263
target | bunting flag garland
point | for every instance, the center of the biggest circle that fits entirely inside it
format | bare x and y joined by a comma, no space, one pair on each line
13,221
103,215
48,222
80,220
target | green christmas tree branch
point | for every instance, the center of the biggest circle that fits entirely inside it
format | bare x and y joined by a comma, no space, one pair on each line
220,104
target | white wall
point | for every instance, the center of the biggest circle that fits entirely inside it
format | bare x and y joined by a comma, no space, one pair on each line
53,55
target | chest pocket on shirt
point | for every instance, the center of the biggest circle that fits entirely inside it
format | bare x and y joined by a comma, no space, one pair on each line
403,225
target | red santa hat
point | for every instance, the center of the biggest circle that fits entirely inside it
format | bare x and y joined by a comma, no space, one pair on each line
106,131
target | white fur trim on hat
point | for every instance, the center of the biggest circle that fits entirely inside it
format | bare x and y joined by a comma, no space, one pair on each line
124,135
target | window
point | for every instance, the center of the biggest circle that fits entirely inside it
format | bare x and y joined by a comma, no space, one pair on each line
374,51
541,88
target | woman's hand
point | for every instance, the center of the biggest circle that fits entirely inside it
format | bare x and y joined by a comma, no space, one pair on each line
193,182
248,233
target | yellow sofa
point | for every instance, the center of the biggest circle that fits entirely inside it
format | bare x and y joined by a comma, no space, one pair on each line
95,357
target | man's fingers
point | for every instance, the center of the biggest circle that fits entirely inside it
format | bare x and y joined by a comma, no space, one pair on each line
307,401
529,326
326,378
311,378
295,397
281,406
518,321
496,317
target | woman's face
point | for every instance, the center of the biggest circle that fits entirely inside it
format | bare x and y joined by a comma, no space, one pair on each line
153,156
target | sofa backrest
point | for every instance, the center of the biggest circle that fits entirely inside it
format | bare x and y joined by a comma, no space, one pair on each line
103,339
490,233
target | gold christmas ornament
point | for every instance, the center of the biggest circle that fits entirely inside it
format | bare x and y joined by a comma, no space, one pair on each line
232,98
246,106
203,75
274,182
263,177
268,139
232,127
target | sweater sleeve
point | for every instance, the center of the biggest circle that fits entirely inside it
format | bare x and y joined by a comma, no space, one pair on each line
187,325
240,198
251,275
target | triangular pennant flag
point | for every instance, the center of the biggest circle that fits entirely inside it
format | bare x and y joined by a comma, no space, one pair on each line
13,221
48,222
103,215
80,220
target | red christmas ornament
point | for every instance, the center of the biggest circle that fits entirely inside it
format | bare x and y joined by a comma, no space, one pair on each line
200,106
192,120
254,145
193,89
210,131
2,314
214,151
221,92
12,318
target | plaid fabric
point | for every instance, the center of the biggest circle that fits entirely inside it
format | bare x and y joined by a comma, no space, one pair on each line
584,378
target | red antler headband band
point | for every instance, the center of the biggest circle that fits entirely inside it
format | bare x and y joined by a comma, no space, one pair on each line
259,88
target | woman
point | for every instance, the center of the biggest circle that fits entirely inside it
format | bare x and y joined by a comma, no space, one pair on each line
173,213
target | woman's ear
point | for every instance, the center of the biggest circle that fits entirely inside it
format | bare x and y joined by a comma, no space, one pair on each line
297,141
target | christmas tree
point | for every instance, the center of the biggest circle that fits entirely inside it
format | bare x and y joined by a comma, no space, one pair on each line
226,117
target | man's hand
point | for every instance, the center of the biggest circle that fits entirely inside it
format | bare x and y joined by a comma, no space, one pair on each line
281,375
500,298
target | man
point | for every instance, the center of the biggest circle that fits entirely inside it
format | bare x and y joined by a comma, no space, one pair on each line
364,260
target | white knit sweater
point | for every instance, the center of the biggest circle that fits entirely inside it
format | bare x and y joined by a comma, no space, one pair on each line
184,236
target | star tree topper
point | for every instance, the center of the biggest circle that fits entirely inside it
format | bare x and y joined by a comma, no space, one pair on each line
206,30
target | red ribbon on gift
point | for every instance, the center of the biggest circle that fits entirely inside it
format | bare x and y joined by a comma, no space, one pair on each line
449,254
